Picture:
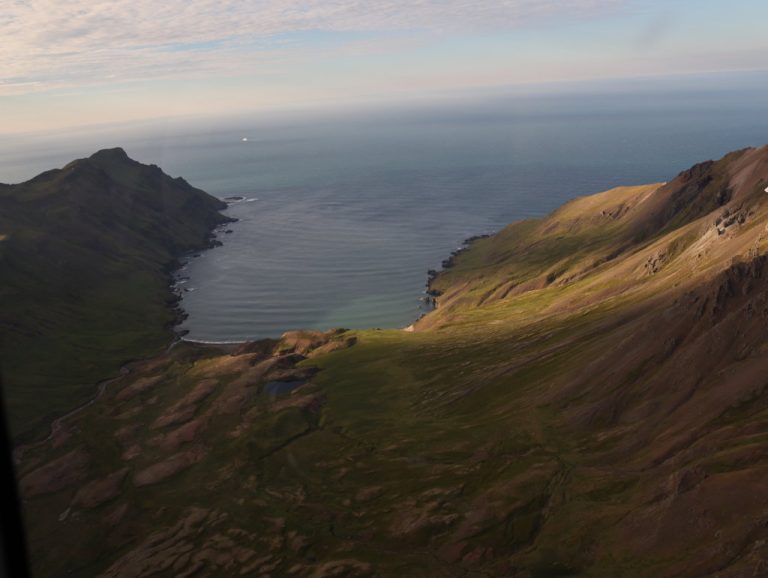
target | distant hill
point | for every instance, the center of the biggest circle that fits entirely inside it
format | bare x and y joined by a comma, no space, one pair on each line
589,398
84,286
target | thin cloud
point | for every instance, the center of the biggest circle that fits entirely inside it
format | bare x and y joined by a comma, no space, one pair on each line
53,43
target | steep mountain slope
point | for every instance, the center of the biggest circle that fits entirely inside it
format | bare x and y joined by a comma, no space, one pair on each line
84,257
616,241
588,399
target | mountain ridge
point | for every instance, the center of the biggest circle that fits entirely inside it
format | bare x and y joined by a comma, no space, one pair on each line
72,237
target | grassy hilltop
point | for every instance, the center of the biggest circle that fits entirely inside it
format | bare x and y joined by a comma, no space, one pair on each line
84,256
588,399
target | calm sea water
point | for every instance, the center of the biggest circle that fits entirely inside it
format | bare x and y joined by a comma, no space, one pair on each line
345,213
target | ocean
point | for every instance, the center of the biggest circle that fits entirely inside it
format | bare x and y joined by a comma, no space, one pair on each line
345,211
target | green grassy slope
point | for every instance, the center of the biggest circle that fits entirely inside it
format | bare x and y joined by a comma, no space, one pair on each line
84,278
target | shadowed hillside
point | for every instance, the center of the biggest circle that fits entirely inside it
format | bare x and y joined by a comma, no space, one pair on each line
588,399
84,260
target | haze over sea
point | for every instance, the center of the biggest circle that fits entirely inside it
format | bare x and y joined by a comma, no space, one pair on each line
348,210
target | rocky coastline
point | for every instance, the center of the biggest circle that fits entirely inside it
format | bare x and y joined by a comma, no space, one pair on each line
431,293
175,280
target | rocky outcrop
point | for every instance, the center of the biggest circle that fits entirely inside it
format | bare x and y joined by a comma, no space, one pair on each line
313,343
169,466
99,491
57,474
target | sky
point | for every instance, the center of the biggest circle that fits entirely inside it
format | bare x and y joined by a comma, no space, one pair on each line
70,63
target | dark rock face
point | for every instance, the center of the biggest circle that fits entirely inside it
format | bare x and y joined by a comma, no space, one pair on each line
692,194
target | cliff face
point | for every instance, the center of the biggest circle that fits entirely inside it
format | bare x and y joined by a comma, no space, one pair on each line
84,258
588,399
